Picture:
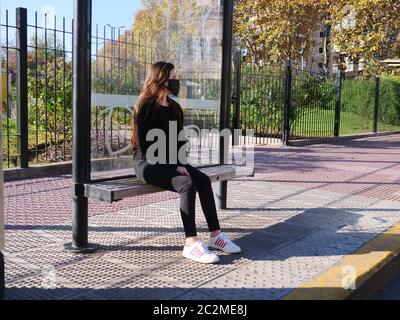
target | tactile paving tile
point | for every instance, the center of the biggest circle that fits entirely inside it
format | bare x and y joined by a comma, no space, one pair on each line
193,273
170,220
319,217
53,255
237,204
58,233
112,239
255,243
248,195
274,214
291,272
260,188
287,231
360,223
246,221
146,256
15,270
18,241
389,206
142,287
308,220
353,201
300,204
324,195
32,289
140,214
323,243
93,273
171,239
172,205
239,285
117,219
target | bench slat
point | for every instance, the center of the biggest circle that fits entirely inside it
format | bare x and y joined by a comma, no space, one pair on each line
115,190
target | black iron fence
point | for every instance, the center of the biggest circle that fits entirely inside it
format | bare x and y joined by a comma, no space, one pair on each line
37,111
286,104
280,103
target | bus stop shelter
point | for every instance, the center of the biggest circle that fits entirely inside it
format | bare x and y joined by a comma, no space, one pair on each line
83,99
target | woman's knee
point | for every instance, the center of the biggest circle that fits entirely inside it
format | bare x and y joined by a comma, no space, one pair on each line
203,180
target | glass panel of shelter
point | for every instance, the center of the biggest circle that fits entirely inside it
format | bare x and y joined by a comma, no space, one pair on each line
184,32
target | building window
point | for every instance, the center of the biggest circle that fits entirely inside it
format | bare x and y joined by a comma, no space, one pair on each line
321,34
321,50
320,65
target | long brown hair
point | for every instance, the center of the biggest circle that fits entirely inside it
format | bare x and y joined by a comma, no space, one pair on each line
152,92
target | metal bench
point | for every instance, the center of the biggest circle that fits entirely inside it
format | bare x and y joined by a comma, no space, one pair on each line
112,190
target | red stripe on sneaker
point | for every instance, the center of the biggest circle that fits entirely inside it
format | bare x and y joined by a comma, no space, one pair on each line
224,244
219,242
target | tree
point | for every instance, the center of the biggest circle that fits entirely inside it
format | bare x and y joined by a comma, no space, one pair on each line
367,29
275,30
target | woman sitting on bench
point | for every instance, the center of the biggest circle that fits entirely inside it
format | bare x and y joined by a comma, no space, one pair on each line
155,110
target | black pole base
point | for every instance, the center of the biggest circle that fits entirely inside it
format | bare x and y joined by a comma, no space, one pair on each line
91,248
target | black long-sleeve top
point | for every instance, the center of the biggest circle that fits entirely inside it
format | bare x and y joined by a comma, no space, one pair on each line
152,116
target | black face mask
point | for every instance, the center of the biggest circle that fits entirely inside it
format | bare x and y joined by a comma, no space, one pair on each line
174,86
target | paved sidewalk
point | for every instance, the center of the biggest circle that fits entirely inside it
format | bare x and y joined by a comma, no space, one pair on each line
305,209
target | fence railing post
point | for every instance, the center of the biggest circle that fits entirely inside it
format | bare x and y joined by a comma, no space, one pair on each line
22,87
376,106
338,102
288,103
236,97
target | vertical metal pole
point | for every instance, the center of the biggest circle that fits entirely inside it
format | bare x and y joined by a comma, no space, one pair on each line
226,90
81,124
238,88
338,103
376,107
288,102
238,77
2,278
22,87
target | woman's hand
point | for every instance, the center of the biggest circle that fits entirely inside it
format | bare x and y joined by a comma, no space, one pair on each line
183,170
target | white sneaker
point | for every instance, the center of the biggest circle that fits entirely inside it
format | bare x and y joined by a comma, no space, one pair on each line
199,253
224,243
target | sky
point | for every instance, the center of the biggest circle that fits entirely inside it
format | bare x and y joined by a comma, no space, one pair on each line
116,13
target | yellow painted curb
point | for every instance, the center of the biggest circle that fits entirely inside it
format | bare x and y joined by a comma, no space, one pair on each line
336,282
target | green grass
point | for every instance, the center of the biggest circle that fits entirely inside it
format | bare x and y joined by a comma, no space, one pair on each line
319,123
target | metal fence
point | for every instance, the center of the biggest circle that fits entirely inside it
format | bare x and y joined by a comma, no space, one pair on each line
258,102
280,103
37,108
288,104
